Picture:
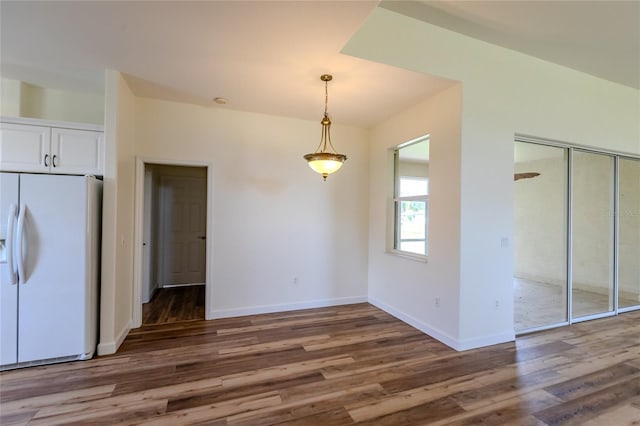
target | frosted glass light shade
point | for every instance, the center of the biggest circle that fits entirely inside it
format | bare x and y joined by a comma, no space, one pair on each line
325,163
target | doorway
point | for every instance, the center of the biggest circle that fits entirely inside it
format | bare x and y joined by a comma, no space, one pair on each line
172,219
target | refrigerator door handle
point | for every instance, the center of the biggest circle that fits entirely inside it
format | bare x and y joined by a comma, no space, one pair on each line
11,226
19,241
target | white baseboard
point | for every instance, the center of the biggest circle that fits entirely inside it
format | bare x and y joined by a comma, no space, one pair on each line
267,309
414,322
108,348
479,342
457,344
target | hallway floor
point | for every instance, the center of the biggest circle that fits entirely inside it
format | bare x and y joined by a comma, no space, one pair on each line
174,304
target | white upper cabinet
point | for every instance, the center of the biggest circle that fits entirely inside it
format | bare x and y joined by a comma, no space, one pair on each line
76,152
40,148
24,148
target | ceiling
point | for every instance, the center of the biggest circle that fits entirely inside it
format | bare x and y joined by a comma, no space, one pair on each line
601,38
267,57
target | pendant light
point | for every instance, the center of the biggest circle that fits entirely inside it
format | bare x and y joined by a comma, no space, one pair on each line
325,160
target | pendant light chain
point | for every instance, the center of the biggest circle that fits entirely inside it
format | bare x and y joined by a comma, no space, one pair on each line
325,128
326,96
326,122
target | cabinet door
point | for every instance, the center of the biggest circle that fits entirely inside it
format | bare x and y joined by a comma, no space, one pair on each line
24,148
76,152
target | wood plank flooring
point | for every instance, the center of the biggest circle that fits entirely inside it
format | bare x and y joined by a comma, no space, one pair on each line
337,366
174,304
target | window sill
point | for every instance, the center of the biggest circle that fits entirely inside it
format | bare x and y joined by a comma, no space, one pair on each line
408,255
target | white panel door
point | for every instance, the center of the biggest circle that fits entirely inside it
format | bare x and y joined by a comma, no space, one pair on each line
24,148
183,227
51,308
76,152
8,289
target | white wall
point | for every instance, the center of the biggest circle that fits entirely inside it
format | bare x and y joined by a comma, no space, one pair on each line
9,97
117,218
504,93
125,205
274,219
20,99
408,287
62,105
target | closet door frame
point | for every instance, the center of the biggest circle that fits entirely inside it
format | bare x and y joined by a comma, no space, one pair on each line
571,148
617,259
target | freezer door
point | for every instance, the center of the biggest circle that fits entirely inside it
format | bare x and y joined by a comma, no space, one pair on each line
52,290
8,290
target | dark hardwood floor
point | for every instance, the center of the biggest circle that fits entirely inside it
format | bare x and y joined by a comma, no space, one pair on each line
337,366
174,304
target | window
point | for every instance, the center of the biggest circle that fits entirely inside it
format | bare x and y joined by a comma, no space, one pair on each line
411,196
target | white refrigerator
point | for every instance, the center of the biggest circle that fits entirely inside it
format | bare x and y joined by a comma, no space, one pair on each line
49,266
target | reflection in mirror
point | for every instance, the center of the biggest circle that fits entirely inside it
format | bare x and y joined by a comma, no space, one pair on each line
629,232
540,231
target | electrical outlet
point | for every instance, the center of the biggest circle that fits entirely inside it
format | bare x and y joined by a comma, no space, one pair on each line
436,302
295,280
497,304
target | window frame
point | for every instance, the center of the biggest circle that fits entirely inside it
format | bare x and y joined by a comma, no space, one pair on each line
396,203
